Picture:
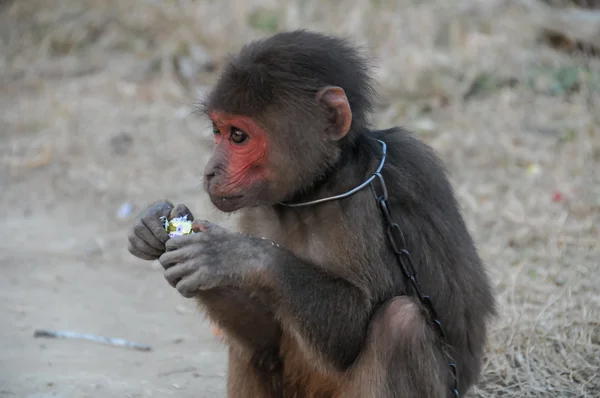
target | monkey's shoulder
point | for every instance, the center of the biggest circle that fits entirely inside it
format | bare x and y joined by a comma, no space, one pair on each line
406,149
414,171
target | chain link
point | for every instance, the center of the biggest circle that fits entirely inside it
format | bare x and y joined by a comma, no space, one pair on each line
397,242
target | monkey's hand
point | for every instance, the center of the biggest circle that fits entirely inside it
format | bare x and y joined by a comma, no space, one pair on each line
148,236
212,257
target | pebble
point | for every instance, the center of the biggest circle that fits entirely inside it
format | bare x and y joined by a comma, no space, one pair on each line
125,211
121,143
560,280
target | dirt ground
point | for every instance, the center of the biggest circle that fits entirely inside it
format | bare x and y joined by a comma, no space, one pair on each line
96,101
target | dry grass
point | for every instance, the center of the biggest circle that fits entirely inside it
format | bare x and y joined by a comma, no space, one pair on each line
529,129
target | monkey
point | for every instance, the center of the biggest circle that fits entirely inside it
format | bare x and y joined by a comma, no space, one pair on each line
308,290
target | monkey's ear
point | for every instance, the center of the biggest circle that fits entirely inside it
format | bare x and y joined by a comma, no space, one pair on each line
340,117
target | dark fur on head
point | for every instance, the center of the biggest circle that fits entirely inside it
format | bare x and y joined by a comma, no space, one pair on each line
286,71
275,81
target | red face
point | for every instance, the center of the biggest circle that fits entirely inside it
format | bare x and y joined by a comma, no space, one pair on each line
239,161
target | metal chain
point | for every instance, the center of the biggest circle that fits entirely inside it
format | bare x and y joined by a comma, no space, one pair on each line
396,239
398,243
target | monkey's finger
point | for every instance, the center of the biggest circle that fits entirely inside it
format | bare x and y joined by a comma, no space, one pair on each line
142,232
171,258
174,274
190,285
179,242
144,255
201,225
141,245
152,220
157,210
204,225
180,211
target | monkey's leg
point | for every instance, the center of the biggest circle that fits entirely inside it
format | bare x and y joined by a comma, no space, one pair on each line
401,358
242,317
253,335
253,375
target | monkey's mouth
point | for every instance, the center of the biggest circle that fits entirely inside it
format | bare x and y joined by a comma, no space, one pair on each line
226,198
228,203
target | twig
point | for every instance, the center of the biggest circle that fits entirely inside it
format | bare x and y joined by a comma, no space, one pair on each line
172,372
91,337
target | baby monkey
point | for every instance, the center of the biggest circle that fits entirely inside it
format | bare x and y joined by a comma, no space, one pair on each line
313,297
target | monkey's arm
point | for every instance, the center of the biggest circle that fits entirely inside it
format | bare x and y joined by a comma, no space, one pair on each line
325,310
242,315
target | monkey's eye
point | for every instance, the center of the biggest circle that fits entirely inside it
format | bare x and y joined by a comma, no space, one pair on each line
238,136
216,130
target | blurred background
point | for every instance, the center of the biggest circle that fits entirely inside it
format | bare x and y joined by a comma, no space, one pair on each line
97,122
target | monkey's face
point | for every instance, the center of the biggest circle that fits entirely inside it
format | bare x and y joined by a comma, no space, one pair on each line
237,171
271,157
256,163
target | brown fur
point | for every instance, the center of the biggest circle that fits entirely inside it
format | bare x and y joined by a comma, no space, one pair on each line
321,146
311,300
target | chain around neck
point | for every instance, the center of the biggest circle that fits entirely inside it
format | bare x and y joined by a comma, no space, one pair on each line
374,175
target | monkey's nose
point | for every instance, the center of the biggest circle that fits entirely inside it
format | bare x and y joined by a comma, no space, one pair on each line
209,175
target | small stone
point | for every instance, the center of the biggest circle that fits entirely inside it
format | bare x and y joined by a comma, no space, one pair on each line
560,280
121,143
125,211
